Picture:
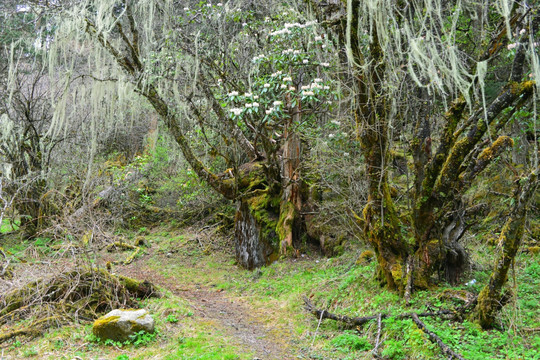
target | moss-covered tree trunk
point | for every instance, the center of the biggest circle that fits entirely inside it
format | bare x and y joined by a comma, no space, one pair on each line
381,224
288,226
490,300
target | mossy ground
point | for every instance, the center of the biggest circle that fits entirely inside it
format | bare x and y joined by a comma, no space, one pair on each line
184,260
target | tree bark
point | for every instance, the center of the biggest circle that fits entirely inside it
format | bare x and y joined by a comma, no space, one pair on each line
490,300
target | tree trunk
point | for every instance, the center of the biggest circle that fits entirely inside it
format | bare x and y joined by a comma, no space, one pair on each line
291,201
255,231
490,300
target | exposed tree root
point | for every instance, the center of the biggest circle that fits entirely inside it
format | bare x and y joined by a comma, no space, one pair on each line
80,294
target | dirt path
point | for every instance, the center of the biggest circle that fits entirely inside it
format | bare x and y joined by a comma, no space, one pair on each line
233,316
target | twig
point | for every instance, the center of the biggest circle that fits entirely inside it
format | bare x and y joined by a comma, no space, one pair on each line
316,330
435,339
377,341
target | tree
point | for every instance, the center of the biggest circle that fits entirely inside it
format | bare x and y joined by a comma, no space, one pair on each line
192,65
25,114
425,66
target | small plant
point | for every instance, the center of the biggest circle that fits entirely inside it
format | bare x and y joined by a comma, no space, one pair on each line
30,352
349,341
171,318
122,357
142,338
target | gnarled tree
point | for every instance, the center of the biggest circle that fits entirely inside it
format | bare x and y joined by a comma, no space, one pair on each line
424,65
199,67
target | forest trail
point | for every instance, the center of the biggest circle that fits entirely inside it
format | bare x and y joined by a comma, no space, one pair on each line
230,315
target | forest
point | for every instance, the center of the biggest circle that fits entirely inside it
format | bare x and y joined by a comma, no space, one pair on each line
274,179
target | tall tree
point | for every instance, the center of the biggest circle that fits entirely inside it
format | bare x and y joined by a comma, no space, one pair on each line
219,71
424,65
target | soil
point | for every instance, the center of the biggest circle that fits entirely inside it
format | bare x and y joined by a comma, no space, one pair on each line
232,316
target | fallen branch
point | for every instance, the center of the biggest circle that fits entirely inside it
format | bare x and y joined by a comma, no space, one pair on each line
359,321
435,339
125,246
377,340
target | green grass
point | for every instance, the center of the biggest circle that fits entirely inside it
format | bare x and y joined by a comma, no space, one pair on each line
7,226
275,294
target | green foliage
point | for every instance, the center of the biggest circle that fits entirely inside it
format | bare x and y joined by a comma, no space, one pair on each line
171,318
138,339
349,341
122,357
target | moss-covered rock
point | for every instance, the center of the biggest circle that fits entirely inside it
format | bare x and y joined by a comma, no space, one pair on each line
119,325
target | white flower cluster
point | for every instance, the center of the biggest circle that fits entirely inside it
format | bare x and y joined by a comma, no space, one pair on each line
247,94
276,73
288,51
267,85
236,111
325,64
288,78
278,103
233,93
260,57
280,32
308,93
253,105
318,38
286,29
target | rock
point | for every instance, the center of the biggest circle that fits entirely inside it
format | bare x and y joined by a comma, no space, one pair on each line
118,324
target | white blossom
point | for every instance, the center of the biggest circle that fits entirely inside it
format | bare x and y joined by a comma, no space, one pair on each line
248,105
186,9
247,94
278,103
233,93
511,46
292,88
236,111
283,86
305,61
267,85
331,136
308,93
306,87
256,97
318,38
317,80
255,104
288,78
269,111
